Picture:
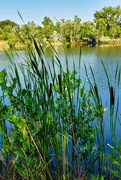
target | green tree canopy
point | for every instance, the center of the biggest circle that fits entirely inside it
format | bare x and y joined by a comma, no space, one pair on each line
7,23
69,30
77,29
108,21
48,28
88,29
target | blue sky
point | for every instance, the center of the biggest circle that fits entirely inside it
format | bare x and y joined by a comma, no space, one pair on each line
36,10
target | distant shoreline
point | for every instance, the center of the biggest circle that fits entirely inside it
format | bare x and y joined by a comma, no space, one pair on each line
4,46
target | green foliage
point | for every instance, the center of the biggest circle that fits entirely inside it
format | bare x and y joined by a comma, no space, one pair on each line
7,22
12,40
54,121
108,21
70,31
115,160
47,111
113,117
88,30
87,112
1,34
97,177
48,28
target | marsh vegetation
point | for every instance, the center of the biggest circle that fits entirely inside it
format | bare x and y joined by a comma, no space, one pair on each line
53,127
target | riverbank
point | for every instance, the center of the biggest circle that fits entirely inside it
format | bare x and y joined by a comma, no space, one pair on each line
109,41
4,46
104,41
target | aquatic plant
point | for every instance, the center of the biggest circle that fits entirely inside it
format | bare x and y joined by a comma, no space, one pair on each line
52,127
114,116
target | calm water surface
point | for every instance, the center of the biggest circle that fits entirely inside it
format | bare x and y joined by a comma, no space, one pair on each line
110,55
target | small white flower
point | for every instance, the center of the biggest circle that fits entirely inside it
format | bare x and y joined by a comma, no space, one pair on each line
105,109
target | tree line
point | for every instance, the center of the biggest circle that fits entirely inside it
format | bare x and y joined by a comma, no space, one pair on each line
106,23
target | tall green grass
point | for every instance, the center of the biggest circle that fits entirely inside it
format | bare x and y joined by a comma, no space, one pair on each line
114,116
57,129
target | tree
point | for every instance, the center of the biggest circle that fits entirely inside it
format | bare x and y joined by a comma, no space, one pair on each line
7,23
77,29
11,40
108,21
40,33
9,34
69,30
88,29
66,30
48,28
1,34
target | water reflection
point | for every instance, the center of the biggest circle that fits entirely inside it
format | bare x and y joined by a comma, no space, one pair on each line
90,56
110,55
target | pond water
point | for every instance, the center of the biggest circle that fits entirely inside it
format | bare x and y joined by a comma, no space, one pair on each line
110,55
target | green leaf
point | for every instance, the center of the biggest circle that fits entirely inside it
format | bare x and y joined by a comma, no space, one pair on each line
18,152
114,172
26,145
21,170
2,76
